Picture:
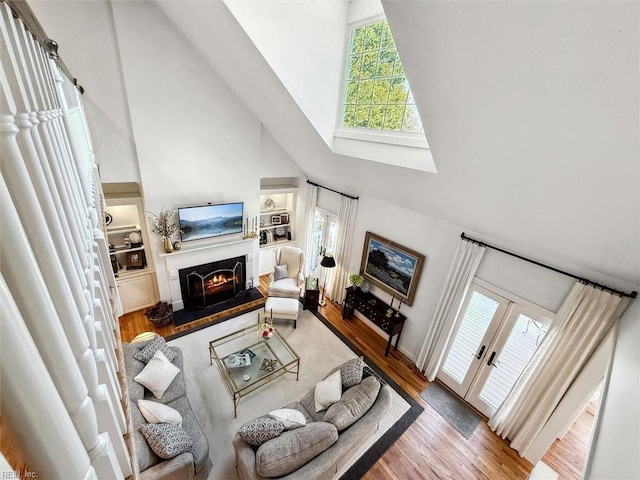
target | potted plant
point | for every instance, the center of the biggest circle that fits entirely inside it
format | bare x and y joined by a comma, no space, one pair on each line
165,226
356,280
160,314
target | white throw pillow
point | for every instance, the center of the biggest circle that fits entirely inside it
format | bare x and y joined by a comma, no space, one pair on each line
158,374
328,391
289,417
155,412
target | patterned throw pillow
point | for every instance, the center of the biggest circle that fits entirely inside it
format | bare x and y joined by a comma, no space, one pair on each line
280,272
351,372
152,347
167,440
258,431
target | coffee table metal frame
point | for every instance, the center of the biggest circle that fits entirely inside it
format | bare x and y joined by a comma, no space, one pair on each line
248,338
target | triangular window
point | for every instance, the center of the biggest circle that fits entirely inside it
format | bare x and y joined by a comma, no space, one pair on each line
376,91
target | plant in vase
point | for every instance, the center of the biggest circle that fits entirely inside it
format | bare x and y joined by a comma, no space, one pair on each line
164,225
356,280
265,325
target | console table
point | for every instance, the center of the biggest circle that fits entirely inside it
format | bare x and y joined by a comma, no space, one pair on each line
375,310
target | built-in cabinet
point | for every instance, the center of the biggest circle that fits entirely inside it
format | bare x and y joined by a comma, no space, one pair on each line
129,247
277,223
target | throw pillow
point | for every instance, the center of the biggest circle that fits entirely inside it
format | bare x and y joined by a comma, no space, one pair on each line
354,404
351,372
289,417
167,440
150,349
155,412
280,272
328,391
258,431
158,374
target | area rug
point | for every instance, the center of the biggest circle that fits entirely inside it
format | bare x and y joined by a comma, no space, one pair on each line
319,349
182,317
452,409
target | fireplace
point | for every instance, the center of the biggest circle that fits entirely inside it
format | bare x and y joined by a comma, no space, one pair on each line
212,283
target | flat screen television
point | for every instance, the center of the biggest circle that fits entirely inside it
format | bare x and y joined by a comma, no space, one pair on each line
207,221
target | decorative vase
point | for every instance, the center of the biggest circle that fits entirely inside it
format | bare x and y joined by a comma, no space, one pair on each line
166,243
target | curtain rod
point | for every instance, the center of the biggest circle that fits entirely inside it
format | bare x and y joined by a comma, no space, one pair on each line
582,279
332,190
22,10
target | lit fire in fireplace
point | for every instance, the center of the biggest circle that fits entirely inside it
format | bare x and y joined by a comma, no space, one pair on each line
212,283
217,281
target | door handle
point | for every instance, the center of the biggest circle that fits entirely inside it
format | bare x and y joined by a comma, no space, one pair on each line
490,362
479,355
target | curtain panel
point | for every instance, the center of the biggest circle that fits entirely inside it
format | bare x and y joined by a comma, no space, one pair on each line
310,200
438,331
583,322
342,255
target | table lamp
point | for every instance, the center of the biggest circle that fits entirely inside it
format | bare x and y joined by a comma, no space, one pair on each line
327,262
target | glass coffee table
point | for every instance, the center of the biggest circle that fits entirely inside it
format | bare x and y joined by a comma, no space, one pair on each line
269,359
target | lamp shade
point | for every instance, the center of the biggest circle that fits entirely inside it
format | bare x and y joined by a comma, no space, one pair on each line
328,261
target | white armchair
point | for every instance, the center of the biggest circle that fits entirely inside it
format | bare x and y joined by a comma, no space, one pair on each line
287,279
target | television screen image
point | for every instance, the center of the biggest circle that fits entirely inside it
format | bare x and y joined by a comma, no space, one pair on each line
210,221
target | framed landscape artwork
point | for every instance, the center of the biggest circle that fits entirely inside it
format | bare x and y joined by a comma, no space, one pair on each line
392,267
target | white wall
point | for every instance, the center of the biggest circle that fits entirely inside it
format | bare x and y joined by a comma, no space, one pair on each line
526,280
275,162
614,453
363,9
197,142
438,240
328,200
304,43
90,50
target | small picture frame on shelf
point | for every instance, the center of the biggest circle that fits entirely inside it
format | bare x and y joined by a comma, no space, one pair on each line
135,260
284,218
276,219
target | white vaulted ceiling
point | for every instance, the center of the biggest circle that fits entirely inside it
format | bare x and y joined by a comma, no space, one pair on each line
531,111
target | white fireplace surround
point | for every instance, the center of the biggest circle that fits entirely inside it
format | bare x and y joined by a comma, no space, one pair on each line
168,264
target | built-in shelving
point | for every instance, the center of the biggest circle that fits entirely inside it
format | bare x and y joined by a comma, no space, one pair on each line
131,257
274,235
278,202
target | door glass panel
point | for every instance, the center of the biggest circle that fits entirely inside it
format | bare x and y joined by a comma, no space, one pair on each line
332,233
467,341
516,353
331,239
317,235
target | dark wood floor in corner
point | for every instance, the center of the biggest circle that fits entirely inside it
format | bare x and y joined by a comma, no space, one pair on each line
431,448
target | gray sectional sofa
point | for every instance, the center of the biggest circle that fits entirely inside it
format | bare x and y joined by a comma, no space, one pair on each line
282,453
184,466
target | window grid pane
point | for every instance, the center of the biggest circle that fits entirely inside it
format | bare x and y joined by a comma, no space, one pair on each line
377,94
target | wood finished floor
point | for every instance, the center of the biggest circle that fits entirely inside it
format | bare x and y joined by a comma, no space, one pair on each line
430,448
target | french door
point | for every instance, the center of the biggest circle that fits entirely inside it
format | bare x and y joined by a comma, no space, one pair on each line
324,234
494,339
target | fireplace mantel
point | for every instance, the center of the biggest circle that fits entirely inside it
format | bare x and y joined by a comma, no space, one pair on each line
208,246
168,264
